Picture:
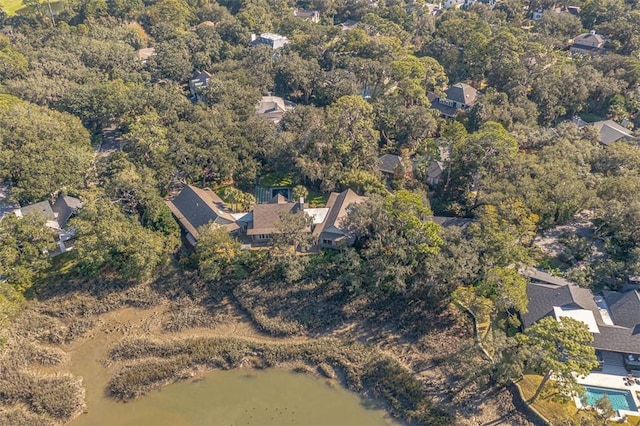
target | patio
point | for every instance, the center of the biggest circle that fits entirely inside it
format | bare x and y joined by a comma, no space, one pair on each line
614,376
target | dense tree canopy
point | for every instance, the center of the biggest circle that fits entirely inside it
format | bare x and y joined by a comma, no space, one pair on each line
512,166
41,151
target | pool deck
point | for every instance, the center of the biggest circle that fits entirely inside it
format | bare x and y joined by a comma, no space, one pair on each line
612,377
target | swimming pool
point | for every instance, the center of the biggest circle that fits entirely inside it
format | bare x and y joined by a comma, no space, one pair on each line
620,399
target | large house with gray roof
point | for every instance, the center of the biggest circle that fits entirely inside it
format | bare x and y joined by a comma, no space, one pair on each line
194,207
612,317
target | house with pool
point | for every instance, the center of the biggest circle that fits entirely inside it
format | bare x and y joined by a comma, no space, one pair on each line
613,317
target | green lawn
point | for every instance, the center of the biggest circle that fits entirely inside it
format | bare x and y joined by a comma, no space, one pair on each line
10,6
275,180
13,6
317,199
589,118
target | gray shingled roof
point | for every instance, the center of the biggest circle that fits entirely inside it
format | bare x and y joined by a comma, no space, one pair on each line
542,299
449,111
446,221
610,131
545,292
435,169
200,78
462,93
43,208
617,339
195,207
624,307
387,163
65,207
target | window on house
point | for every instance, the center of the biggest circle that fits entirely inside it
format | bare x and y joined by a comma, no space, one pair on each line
327,242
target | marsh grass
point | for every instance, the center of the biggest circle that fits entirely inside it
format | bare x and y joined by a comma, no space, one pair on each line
291,309
40,355
21,416
59,396
149,364
188,313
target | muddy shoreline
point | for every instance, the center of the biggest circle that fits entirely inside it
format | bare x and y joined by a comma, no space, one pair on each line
80,330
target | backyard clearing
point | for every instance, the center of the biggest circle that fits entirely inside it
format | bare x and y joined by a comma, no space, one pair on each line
11,6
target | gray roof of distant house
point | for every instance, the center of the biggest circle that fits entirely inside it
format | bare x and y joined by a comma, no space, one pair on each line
462,93
435,169
199,79
610,131
195,207
65,207
446,221
447,110
43,208
347,25
387,163
274,40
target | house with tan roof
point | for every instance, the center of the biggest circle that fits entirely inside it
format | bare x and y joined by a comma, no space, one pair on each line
267,217
145,54
587,44
273,108
332,232
307,15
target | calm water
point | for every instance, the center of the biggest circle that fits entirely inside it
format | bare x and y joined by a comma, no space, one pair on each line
620,399
239,397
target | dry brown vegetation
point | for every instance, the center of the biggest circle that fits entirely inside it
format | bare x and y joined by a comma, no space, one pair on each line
365,369
403,356
59,396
